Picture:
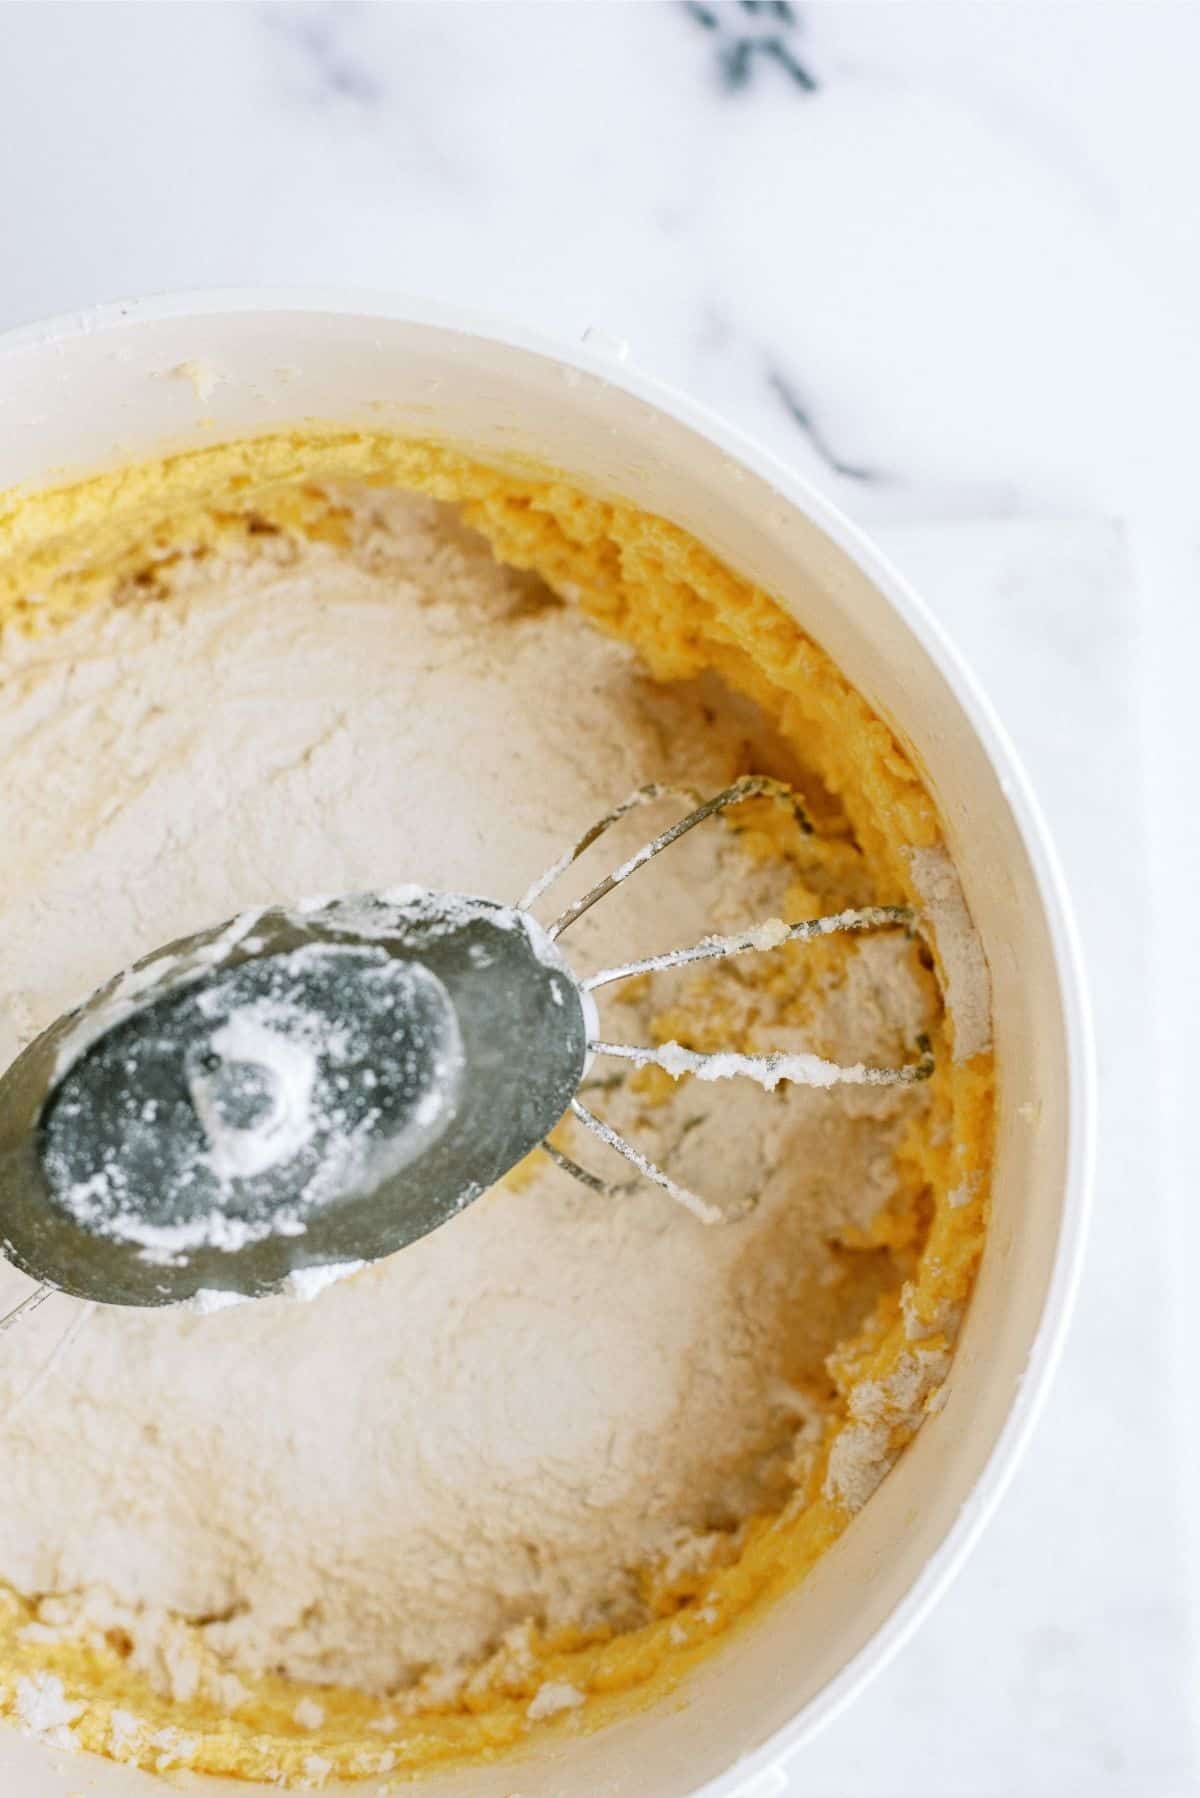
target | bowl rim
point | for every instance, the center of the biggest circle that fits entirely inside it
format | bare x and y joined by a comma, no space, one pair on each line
604,358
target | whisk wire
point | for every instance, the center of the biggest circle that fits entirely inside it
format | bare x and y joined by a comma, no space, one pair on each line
28,1304
700,1208
751,786
584,1175
761,937
643,796
770,1068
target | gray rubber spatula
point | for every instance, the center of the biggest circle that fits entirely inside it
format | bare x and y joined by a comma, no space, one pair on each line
326,1083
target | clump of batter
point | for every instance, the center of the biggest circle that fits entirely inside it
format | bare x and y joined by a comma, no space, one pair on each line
451,1486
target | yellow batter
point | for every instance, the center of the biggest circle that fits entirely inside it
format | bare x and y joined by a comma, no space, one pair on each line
643,580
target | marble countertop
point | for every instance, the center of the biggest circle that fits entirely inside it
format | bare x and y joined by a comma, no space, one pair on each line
945,259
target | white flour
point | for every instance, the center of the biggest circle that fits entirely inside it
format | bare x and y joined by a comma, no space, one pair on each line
508,1419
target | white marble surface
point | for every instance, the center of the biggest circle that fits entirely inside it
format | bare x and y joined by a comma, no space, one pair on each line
945,258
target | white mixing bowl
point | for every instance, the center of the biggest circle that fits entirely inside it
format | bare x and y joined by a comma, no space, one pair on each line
82,393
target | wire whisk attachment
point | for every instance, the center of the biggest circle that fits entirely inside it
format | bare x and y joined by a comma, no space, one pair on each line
767,1069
